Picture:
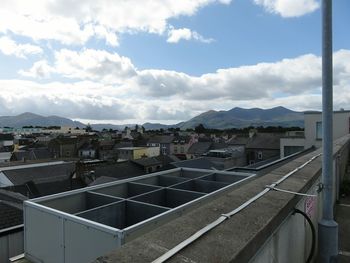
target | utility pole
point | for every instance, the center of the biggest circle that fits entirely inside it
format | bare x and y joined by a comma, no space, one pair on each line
327,227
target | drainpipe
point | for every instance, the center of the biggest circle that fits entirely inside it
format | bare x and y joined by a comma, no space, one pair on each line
327,227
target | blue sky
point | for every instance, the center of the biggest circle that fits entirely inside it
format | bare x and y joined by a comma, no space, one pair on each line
166,60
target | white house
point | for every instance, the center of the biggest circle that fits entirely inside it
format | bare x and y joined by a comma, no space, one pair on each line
294,142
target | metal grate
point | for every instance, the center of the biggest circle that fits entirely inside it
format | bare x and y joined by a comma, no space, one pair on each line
104,217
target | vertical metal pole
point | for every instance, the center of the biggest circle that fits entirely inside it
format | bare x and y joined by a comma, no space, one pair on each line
327,228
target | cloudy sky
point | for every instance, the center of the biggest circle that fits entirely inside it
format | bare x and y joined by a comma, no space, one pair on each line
126,61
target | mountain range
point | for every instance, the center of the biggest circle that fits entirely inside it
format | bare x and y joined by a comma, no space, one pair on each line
234,118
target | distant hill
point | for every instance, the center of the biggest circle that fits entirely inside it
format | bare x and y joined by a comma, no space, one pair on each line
31,119
158,126
234,118
239,118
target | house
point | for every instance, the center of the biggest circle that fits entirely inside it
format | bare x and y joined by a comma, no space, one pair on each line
41,153
5,157
199,163
312,135
149,165
36,172
133,153
262,146
6,141
67,130
65,147
87,151
198,149
163,142
181,144
106,150
238,140
224,158
119,170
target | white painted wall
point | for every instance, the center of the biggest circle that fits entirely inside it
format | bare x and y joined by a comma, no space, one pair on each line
290,142
291,242
340,126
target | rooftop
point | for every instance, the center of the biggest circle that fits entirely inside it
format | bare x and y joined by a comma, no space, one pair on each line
43,172
10,215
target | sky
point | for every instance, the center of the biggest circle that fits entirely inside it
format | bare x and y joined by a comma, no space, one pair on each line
165,61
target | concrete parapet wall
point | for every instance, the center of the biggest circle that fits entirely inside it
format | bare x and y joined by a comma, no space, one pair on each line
262,232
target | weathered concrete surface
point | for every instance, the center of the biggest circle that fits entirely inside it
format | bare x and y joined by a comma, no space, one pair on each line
235,240
343,219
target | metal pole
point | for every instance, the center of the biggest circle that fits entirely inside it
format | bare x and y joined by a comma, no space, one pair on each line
327,227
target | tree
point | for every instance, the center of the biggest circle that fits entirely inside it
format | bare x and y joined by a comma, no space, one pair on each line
88,128
199,128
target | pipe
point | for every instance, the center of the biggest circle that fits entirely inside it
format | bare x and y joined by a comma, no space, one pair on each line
313,232
328,228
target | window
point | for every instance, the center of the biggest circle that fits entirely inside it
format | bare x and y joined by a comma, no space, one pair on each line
175,149
182,149
260,155
319,130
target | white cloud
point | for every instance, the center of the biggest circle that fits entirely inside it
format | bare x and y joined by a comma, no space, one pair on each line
289,8
10,47
93,65
121,92
88,64
290,76
175,35
75,22
39,70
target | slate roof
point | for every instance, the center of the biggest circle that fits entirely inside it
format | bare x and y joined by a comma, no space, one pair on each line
65,140
151,161
39,174
182,139
199,148
12,197
33,190
20,155
238,140
123,144
270,141
120,170
6,137
200,163
10,215
161,139
41,153
103,180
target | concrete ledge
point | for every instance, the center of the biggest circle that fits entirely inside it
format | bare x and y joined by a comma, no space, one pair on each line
237,239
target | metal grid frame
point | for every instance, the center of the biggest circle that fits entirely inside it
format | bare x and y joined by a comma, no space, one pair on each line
117,212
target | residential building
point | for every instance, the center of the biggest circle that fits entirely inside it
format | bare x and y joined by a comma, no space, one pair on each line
181,144
198,149
163,142
35,172
41,153
106,150
65,147
262,146
66,130
150,164
312,136
5,157
87,151
6,141
134,153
